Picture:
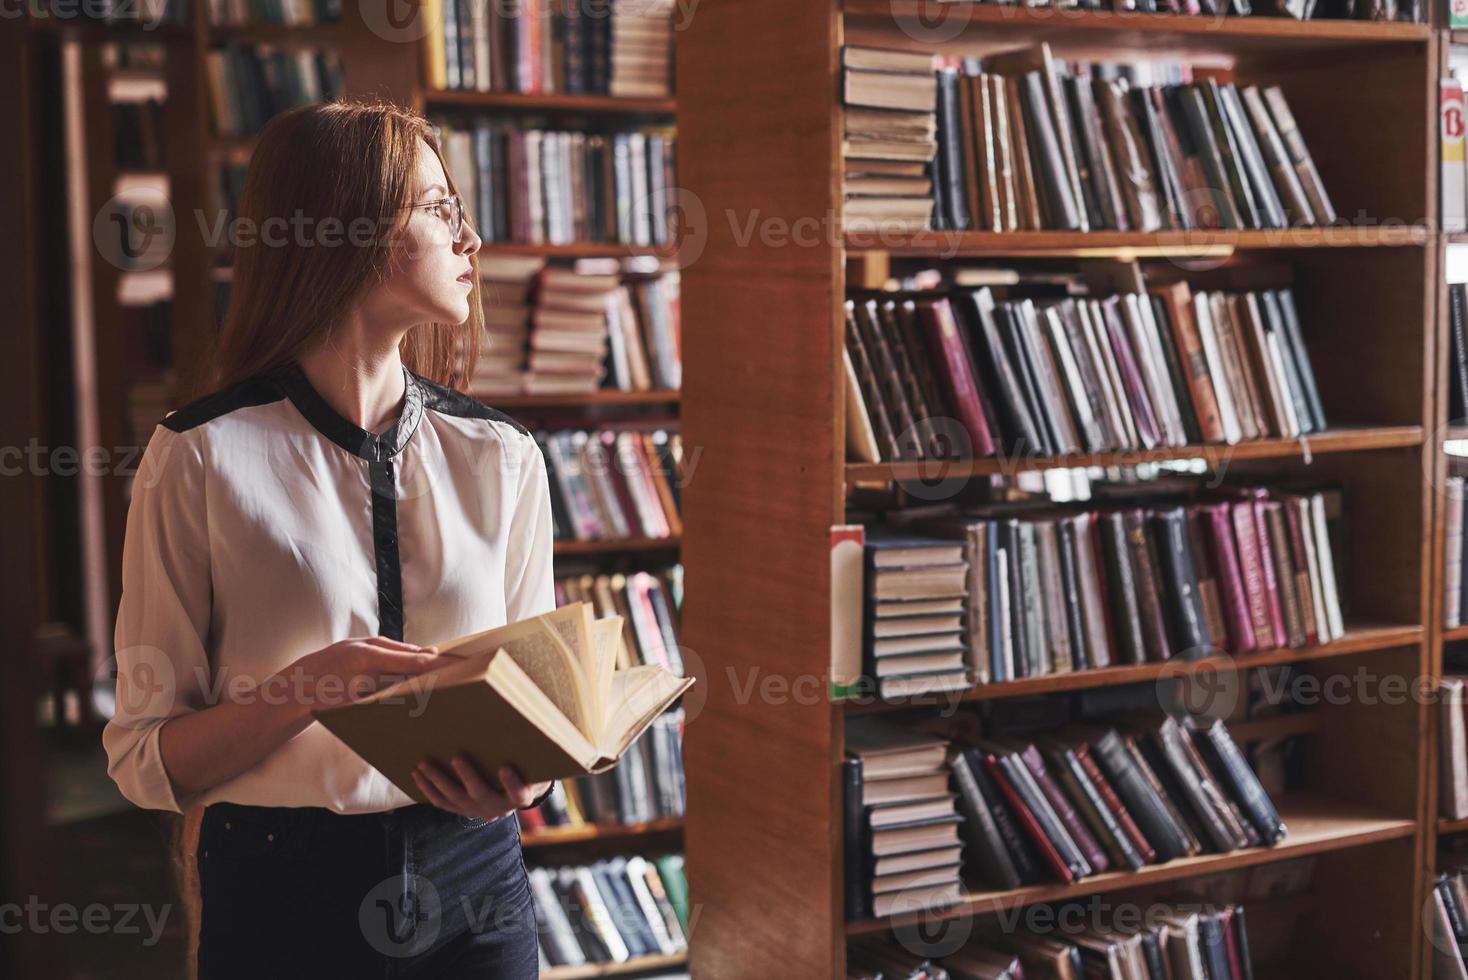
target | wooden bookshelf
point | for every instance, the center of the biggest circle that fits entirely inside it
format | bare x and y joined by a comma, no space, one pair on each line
1316,825
764,828
615,546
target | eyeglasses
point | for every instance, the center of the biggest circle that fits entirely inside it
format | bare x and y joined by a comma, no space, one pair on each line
450,209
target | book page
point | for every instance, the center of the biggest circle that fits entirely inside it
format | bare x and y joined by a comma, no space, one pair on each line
606,637
638,696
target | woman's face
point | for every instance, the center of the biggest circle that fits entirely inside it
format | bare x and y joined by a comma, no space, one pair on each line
431,275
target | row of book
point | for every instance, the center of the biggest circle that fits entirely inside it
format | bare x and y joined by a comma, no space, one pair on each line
1455,526
647,601
614,484
621,48
611,911
590,324
137,133
985,596
557,186
291,13
931,375
1179,940
1025,141
146,12
1010,811
647,784
250,84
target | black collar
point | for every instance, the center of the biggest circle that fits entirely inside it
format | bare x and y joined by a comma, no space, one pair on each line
342,430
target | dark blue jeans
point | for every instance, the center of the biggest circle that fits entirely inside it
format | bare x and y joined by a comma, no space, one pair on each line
407,893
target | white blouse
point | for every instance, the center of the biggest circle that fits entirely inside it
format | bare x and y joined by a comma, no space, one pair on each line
265,525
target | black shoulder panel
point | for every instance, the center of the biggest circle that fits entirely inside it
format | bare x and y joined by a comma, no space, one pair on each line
446,400
251,391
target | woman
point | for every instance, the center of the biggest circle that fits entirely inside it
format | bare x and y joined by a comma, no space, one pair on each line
303,535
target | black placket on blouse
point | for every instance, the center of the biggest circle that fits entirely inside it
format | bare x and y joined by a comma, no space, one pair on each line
380,452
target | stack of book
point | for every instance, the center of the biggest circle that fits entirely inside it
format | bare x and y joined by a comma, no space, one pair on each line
249,84
902,843
642,49
293,13
568,327
544,186
623,48
648,604
1036,143
589,324
647,784
914,637
889,139
934,375
613,484
611,911
1048,592
1185,940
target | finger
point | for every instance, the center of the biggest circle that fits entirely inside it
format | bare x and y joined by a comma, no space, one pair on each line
515,787
476,785
447,786
427,789
391,644
403,662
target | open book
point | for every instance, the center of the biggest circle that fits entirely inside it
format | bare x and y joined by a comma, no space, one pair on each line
542,695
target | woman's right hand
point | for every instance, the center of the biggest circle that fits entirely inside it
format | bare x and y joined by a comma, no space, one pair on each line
354,668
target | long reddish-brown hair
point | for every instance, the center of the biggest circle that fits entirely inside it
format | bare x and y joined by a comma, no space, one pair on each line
351,163
341,172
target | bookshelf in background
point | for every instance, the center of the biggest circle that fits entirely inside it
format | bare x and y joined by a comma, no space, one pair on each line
764,830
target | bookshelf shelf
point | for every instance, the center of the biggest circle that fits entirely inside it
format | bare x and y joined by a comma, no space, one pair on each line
660,397
1316,825
560,836
1359,638
963,23
637,965
1456,633
613,546
1445,826
1333,441
547,102
1127,244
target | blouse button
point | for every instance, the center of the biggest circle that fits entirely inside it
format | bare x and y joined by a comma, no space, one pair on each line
270,837
226,825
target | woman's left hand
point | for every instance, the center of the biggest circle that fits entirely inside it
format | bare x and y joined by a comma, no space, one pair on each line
464,790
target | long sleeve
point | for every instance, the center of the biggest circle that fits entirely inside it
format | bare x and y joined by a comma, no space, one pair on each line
529,577
163,618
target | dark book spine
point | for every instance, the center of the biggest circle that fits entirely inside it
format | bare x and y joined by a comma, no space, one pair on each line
855,865
1190,635
1062,210
1241,942
1118,810
1094,807
1147,582
1122,590
1241,781
1070,584
1458,364
1141,800
980,832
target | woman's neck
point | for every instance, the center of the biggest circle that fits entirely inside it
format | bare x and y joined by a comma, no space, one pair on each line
365,387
